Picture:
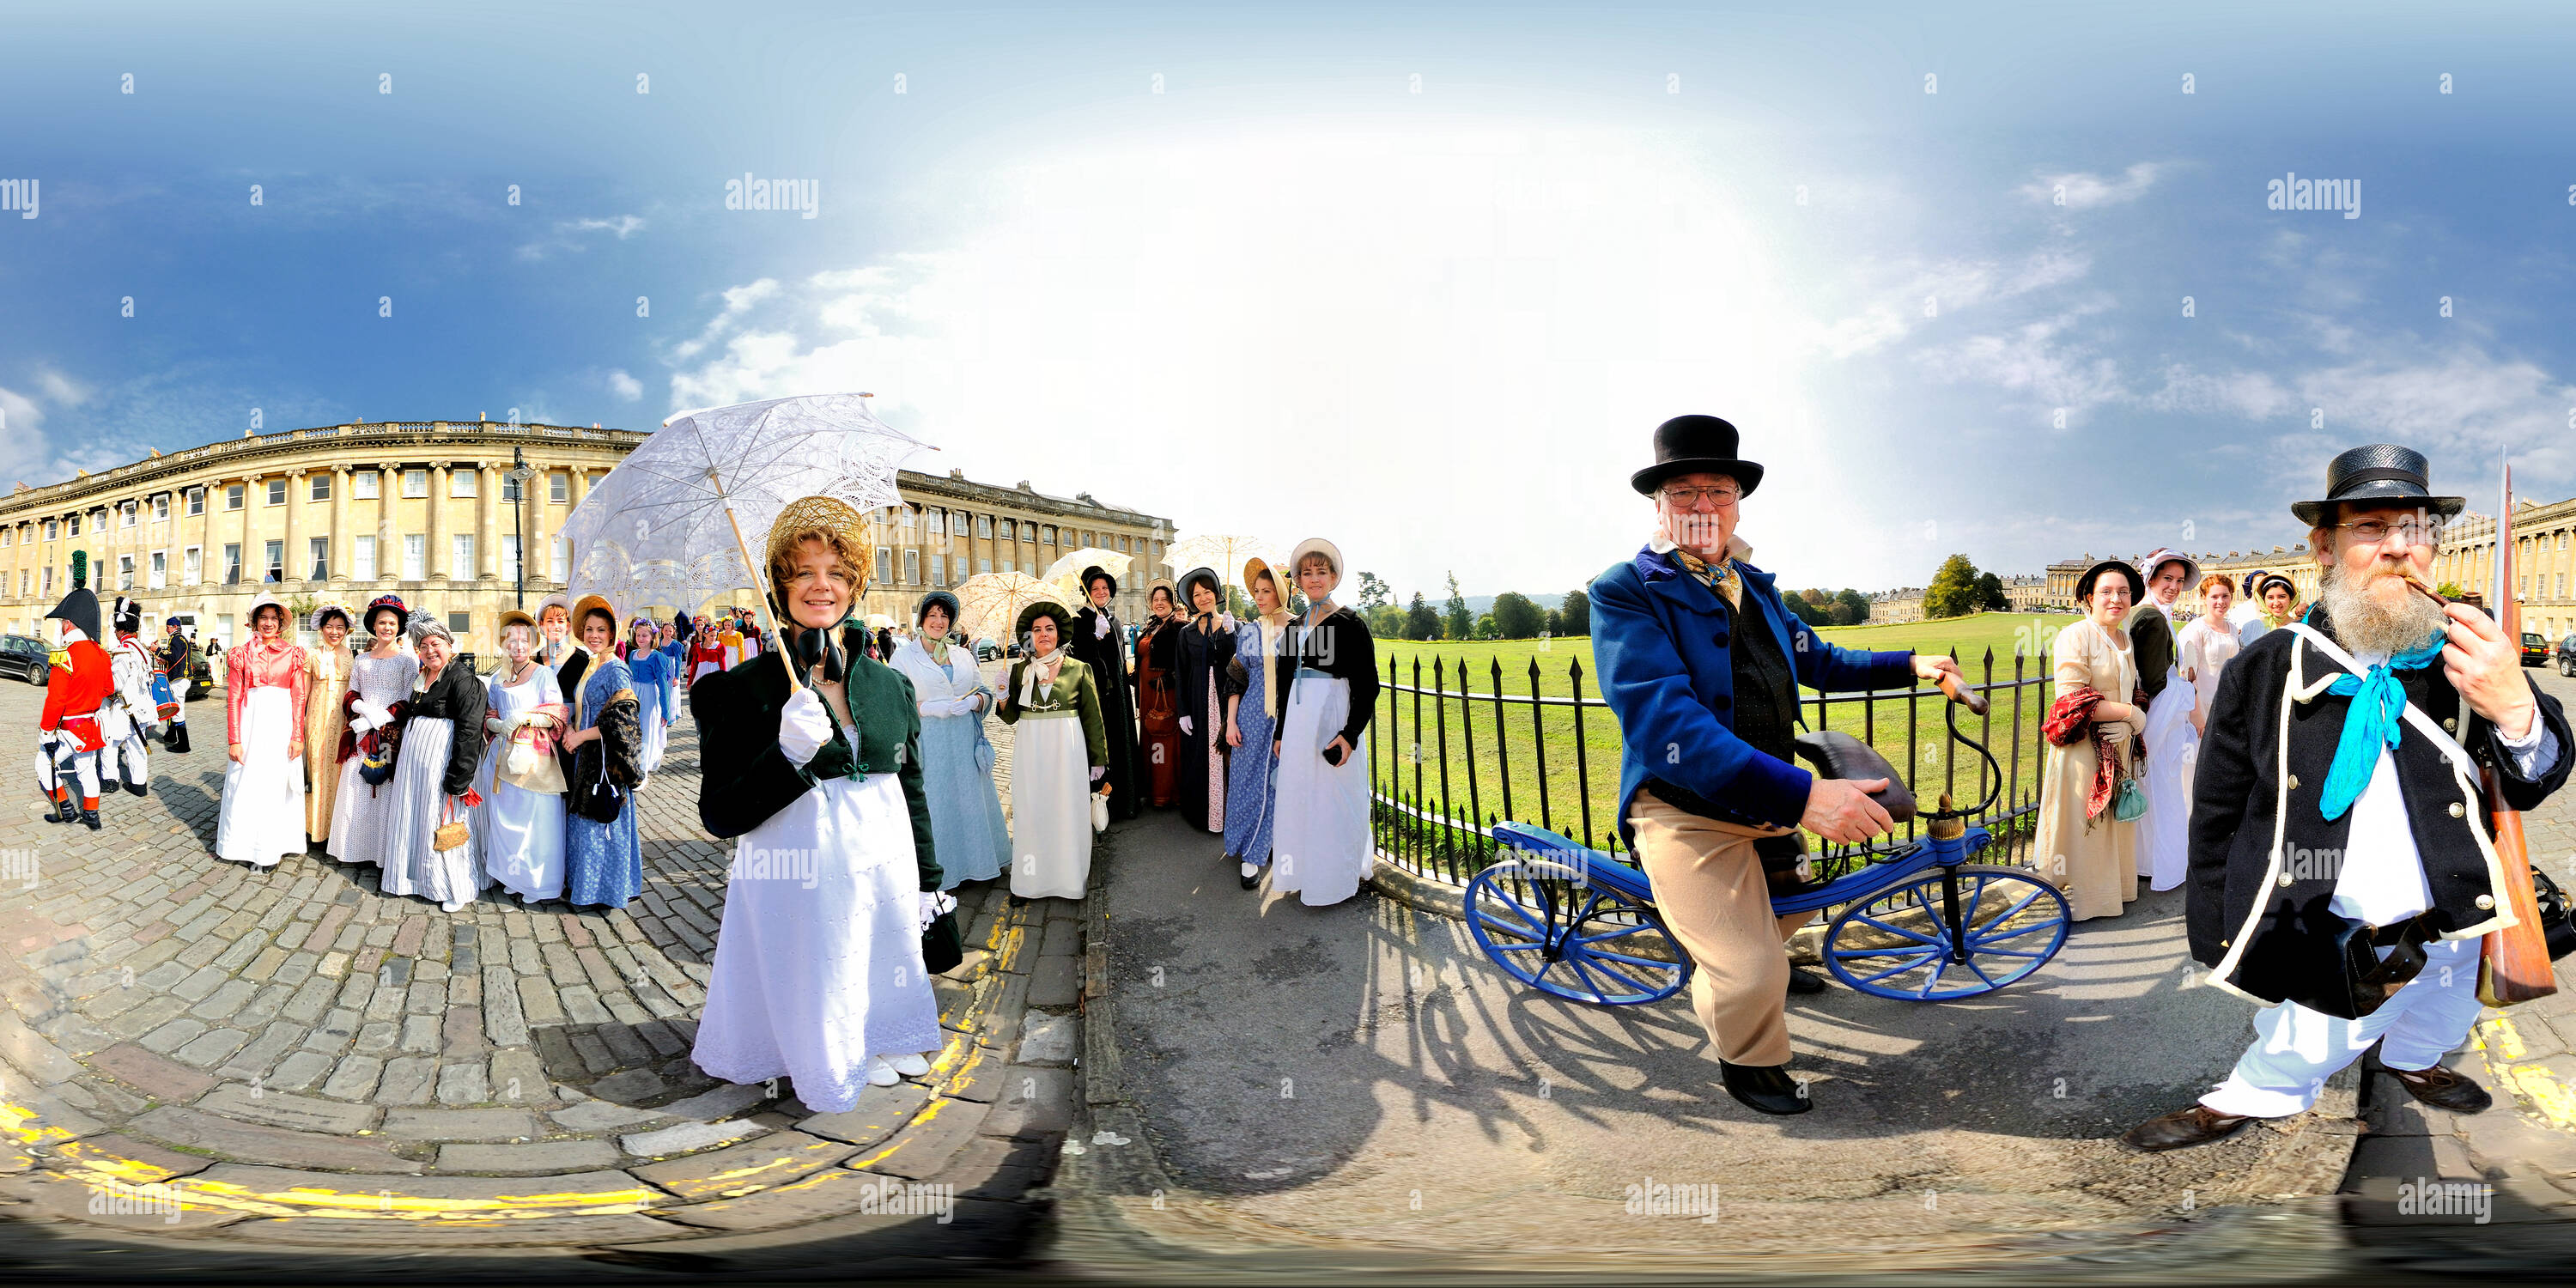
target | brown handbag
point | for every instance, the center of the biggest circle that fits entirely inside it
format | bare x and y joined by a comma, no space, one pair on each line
451,833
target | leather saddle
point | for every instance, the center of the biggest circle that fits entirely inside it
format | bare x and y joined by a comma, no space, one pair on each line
1836,754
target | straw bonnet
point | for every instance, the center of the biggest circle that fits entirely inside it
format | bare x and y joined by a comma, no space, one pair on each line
588,604
807,512
1258,566
518,616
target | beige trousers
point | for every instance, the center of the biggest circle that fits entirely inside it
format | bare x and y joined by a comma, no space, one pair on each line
1716,901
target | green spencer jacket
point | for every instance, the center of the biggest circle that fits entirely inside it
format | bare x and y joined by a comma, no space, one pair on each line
743,776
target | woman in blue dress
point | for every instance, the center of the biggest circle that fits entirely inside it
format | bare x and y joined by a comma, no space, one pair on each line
1253,700
603,860
652,671
966,825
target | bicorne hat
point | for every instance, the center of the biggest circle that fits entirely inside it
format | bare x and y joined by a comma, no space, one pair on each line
1696,445
2379,474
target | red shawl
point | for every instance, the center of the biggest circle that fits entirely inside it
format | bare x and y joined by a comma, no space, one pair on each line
2070,718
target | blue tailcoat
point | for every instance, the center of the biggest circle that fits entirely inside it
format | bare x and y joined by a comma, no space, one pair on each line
1660,640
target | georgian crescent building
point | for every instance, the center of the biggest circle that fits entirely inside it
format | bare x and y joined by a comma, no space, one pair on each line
441,513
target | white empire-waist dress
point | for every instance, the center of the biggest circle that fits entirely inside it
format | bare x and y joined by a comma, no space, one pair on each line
361,818
2296,1049
521,832
2173,747
262,815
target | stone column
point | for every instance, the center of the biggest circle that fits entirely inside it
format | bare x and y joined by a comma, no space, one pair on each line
487,504
434,567
293,560
343,550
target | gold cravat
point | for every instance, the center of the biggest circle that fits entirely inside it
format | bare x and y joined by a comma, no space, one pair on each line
1720,578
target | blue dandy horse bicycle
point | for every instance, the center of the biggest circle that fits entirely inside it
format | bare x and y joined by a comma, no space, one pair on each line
1920,923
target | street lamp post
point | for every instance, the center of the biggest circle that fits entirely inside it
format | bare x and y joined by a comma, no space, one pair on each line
519,476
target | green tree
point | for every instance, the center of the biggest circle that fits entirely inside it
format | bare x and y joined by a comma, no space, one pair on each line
1577,612
1555,622
1484,627
1855,606
1421,621
1806,610
1517,617
1374,593
1386,621
1953,592
1990,594
1455,617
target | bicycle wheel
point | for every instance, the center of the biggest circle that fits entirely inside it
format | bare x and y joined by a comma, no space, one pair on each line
1549,928
1900,942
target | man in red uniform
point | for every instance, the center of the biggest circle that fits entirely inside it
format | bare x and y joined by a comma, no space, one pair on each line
68,739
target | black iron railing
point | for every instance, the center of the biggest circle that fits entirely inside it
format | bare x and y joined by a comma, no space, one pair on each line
1448,759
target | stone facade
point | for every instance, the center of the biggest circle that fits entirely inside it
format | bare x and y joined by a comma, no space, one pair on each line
344,513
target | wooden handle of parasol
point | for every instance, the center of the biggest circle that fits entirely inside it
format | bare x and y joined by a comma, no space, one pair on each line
760,581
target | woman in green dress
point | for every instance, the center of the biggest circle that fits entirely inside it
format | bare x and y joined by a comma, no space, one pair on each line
1055,761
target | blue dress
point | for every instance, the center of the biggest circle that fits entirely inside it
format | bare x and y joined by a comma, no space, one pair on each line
1251,789
603,862
653,672
966,827
678,653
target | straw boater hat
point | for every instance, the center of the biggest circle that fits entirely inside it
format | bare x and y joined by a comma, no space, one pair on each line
1333,553
518,616
814,512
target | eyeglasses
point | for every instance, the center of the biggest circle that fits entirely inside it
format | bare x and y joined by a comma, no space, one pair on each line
2422,532
1688,498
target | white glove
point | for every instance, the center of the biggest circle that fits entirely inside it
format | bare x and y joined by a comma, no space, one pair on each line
1099,772
803,726
1185,724
933,903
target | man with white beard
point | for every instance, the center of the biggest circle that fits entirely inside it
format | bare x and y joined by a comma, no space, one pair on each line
2341,871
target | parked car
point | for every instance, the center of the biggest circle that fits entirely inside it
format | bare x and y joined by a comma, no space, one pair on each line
987,650
24,657
2567,656
2535,648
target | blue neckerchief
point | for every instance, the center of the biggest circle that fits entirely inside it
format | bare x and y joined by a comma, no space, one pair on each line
2370,723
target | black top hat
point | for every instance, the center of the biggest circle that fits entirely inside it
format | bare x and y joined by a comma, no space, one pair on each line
1097,573
1696,445
2380,474
2137,584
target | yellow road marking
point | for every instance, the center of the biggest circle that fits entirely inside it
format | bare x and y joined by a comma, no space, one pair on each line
959,1057
2534,1085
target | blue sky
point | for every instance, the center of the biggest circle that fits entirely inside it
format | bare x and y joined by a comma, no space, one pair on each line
1299,291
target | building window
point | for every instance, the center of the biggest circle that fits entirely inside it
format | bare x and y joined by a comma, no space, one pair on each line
26,580
363,484
160,569
415,483
125,572
233,496
75,526
319,489
320,550
958,567
232,563
986,565
562,558
956,523
461,483
362,560
460,623
274,557
196,500
1009,530
415,556
52,529
510,556
49,579
463,550
912,567
885,566
161,508
224,628
1007,567
984,526
938,571
192,564
559,488
277,491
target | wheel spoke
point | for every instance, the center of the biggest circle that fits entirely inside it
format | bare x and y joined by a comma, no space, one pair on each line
1518,948
1899,968
1614,934
1638,985
1586,976
1648,962
1916,936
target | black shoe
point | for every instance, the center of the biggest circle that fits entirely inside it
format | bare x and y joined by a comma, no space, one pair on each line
1766,1088
2444,1089
90,816
1802,980
64,812
1252,881
177,739
2198,1125
139,789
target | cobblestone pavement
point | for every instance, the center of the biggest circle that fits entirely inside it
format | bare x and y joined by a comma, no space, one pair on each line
293,1058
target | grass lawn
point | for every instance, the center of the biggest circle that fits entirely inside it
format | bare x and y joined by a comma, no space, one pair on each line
1576,791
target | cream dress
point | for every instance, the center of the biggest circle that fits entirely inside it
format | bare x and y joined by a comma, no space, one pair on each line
2094,861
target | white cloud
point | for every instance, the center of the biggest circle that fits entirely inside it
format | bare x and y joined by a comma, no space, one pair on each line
61,389
626,387
622,226
2080,190
2037,360
568,234
1420,325
1914,294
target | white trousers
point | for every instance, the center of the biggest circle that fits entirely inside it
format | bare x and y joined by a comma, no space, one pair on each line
2296,1049
59,757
